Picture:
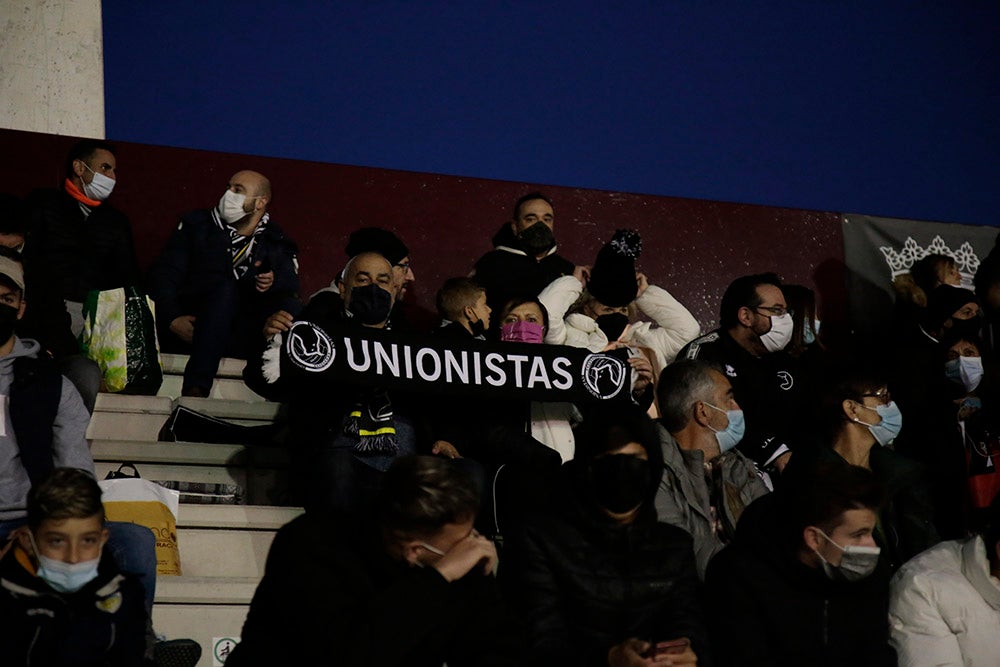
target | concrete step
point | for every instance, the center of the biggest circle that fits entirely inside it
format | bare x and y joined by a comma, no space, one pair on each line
189,453
205,590
211,552
173,364
222,388
215,627
261,486
236,517
235,411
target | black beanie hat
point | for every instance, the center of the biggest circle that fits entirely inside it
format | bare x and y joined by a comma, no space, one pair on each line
944,301
612,280
375,239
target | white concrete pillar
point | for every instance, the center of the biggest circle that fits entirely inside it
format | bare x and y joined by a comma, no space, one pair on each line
52,67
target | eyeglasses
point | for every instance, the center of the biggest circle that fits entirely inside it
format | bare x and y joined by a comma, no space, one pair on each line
882,395
404,265
777,311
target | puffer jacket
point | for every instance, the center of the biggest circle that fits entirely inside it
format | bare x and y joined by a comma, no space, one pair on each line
672,328
944,608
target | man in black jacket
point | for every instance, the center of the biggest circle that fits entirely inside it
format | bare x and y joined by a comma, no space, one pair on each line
412,587
768,383
802,583
223,271
524,260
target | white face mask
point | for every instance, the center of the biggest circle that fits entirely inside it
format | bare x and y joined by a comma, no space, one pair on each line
100,186
777,338
231,207
856,563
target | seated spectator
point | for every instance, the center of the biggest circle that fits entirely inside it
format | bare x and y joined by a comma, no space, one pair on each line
596,578
367,239
706,483
45,321
801,584
594,308
967,453
63,600
933,270
768,383
551,423
44,427
77,242
953,309
944,607
523,260
344,439
413,586
461,303
857,422
223,271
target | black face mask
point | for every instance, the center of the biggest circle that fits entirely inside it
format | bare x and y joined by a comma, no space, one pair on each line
478,327
619,482
970,327
370,304
537,239
8,320
612,324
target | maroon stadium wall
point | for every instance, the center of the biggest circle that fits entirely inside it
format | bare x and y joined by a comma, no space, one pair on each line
691,247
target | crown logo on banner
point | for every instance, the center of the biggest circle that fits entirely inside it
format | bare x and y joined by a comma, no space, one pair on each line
900,262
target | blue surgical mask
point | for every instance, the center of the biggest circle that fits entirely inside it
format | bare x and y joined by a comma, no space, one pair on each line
856,563
809,333
100,186
966,371
733,433
65,577
886,430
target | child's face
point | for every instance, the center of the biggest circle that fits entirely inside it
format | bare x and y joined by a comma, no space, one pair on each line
70,540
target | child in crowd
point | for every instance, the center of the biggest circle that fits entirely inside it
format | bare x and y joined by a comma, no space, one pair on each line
63,600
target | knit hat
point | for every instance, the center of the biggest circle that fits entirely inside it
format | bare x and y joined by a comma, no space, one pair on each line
375,239
612,279
944,301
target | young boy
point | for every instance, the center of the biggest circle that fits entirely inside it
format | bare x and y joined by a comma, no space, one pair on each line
63,600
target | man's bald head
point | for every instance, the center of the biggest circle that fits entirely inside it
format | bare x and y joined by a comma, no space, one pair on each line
252,184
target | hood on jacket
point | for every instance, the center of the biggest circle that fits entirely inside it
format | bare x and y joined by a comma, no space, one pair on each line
23,347
507,241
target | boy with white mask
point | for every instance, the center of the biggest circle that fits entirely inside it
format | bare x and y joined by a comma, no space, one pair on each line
802,583
769,384
62,598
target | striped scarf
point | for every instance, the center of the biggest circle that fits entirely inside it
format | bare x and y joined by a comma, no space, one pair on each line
241,247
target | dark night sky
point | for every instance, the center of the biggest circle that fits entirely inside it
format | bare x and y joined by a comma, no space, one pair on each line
886,108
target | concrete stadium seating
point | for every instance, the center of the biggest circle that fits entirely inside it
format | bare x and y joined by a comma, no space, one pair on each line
223,547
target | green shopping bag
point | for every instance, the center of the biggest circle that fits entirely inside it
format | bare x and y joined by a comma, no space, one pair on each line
119,333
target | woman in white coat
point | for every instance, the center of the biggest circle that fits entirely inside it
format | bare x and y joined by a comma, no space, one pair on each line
944,605
600,307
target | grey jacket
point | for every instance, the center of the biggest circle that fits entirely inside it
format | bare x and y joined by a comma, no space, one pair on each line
69,436
684,497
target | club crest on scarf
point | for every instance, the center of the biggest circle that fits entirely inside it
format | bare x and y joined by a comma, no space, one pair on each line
310,348
603,375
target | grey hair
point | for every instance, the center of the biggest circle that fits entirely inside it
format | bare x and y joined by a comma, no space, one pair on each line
680,386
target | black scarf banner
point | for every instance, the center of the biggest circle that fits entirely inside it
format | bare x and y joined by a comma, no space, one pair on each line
379,358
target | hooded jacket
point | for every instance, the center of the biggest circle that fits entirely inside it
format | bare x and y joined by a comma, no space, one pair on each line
101,625
68,435
508,271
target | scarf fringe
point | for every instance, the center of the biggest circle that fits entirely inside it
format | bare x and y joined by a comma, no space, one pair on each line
271,366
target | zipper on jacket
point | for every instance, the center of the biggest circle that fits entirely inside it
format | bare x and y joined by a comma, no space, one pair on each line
31,646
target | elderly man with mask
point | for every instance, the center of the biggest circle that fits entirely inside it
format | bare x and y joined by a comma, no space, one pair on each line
222,272
767,382
706,483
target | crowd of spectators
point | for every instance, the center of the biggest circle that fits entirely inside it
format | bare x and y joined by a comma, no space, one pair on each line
755,496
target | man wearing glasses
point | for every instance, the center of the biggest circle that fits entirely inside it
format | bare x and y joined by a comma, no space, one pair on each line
755,327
